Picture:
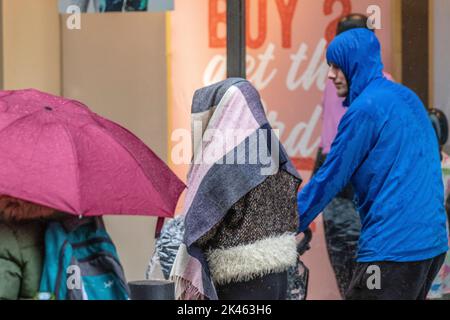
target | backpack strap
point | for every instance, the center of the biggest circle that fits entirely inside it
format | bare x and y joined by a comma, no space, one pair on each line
99,222
159,226
71,223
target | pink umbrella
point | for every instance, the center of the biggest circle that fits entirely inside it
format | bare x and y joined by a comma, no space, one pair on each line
57,153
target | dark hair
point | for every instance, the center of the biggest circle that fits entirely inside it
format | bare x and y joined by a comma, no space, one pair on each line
440,125
352,21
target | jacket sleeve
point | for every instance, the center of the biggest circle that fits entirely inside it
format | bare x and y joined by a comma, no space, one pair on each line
10,269
10,280
356,136
31,271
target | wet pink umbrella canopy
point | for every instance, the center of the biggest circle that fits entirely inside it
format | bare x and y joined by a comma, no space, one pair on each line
57,153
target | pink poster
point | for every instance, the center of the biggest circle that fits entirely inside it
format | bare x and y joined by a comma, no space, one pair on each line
286,45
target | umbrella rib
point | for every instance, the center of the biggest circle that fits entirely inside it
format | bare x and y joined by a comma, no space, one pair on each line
25,117
75,154
21,119
8,93
141,168
17,120
105,130
133,157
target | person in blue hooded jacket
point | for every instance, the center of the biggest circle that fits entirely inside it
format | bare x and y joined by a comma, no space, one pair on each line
386,148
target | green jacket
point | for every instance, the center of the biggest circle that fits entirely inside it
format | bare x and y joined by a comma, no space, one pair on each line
21,259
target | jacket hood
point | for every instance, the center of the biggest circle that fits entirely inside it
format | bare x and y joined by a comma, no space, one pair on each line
357,53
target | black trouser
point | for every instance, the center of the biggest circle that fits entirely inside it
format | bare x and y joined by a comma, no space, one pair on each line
270,287
342,229
399,280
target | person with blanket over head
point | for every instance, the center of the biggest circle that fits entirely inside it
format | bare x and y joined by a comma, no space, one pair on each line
240,218
386,147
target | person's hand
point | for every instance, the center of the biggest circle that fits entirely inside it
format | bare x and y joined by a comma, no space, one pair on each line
304,244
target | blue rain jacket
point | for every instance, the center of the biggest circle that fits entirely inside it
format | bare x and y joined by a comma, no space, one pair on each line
386,147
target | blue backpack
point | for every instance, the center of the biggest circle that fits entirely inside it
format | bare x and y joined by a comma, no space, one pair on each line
81,262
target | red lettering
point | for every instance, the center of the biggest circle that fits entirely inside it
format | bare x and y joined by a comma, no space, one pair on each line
215,19
330,32
262,24
286,12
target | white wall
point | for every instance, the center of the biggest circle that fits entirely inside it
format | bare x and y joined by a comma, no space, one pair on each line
116,64
31,45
